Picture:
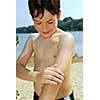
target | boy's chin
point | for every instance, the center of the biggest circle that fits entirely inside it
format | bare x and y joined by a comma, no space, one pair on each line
46,35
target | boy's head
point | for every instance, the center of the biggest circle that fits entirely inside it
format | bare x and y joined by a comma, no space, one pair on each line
45,14
37,7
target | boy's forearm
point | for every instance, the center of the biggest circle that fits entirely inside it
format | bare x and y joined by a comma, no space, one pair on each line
49,92
25,74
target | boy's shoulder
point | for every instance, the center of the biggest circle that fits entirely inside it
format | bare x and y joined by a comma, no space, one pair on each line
67,38
63,35
33,36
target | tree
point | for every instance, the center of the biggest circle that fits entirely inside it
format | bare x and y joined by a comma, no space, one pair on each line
17,39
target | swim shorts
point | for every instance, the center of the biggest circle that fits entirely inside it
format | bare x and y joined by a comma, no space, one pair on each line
70,97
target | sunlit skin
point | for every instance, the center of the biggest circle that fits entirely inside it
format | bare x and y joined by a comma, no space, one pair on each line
52,49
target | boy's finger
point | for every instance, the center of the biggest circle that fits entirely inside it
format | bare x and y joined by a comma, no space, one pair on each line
58,76
50,82
58,71
58,79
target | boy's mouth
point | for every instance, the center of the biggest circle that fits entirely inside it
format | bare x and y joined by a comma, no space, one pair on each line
46,32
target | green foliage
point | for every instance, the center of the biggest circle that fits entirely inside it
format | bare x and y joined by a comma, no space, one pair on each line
67,19
17,39
17,94
29,29
67,24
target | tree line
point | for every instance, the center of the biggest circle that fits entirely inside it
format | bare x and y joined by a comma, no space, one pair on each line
67,24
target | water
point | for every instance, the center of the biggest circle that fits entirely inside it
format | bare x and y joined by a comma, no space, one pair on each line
78,48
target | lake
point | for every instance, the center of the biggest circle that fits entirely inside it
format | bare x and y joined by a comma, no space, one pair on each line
78,48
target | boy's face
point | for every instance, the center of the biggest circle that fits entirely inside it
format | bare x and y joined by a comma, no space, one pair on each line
47,25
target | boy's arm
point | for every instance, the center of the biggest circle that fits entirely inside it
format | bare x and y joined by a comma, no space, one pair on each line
64,57
23,59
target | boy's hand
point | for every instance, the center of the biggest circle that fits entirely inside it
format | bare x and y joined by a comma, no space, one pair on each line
50,75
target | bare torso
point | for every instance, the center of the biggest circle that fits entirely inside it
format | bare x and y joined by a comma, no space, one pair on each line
45,52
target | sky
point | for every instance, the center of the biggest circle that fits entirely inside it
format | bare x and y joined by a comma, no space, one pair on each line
72,8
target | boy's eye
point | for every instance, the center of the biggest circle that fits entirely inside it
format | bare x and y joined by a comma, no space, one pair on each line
38,23
50,22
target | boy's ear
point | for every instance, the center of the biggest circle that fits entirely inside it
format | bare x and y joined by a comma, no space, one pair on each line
59,14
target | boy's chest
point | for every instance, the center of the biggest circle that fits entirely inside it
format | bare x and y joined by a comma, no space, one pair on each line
45,51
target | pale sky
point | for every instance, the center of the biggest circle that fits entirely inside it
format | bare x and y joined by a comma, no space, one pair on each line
72,8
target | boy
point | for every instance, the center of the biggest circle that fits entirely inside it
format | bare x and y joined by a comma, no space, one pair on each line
52,49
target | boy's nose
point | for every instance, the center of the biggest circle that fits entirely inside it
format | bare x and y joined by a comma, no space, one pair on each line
44,27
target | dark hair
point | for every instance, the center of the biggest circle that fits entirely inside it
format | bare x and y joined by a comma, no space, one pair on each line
37,7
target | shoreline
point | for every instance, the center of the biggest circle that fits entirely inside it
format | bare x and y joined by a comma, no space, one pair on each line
77,59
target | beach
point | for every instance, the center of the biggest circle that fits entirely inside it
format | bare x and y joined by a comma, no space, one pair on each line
25,88
77,80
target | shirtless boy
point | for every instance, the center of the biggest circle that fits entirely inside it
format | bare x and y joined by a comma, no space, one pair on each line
52,50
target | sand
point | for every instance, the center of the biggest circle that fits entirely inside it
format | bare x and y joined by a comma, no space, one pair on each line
25,88
77,80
